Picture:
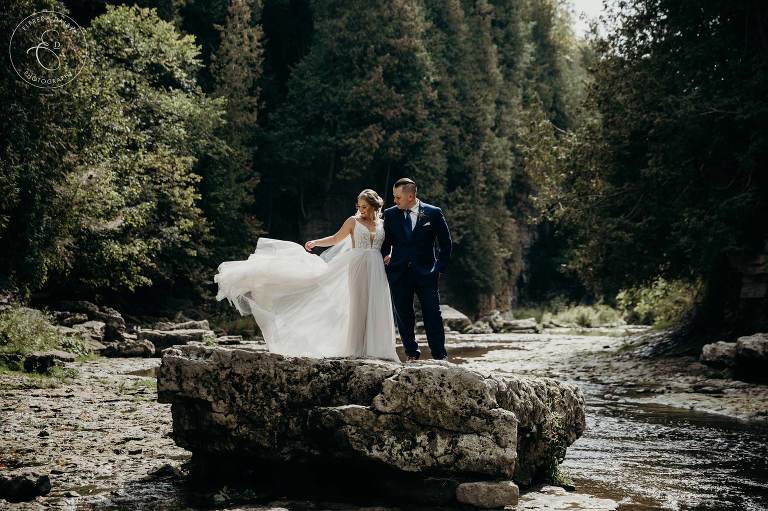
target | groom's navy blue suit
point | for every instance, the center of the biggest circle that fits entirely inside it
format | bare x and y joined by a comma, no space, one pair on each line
414,268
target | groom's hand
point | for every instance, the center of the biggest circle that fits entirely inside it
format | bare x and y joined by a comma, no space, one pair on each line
386,259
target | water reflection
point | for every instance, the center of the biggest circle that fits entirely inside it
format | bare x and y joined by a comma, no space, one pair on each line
680,459
651,456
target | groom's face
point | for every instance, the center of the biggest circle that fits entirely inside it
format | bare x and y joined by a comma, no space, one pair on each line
403,199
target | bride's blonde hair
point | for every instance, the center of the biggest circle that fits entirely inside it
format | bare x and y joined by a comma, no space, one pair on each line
373,199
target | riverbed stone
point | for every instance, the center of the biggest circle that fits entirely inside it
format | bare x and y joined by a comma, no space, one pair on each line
131,348
488,494
114,323
527,325
479,327
751,357
184,325
43,361
494,319
67,318
454,319
229,339
93,329
24,484
162,339
719,354
430,419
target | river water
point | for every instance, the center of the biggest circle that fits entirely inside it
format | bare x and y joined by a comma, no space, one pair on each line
643,455
654,456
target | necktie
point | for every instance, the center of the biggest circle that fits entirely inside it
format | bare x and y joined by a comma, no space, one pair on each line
408,225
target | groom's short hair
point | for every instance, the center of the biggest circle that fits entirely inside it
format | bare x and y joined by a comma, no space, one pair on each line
409,186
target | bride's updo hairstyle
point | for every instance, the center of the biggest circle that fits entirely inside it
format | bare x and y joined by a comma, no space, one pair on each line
373,199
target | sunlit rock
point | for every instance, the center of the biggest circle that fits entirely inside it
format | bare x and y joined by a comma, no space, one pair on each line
371,420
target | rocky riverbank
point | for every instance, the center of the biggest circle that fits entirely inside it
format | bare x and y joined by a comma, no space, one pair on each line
436,433
103,439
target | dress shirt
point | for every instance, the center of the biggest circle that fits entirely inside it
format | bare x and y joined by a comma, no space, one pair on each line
414,214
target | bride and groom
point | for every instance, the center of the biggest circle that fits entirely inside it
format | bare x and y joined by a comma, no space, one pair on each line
340,304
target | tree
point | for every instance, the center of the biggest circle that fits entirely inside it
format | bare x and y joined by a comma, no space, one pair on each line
357,106
229,175
104,170
666,181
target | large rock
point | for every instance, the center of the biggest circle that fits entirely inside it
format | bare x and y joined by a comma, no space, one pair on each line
752,347
130,348
114,324
751,357
92,329
719,354
162,339
454,319
488,494
239,408
746,357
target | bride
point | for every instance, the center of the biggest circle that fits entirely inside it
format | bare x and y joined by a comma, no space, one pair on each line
333,305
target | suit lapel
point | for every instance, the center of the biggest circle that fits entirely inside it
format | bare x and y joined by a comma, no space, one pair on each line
419,217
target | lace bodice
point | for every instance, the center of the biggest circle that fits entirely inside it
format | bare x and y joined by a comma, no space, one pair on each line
363,238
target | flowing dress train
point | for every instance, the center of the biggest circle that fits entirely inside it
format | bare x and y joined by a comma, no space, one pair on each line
334,305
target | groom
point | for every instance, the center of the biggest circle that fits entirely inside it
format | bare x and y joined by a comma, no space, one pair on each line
411,228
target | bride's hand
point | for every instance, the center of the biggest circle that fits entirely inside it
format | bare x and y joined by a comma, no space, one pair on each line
386,259
308,246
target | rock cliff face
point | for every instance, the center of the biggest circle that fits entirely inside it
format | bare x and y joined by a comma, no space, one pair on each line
434,420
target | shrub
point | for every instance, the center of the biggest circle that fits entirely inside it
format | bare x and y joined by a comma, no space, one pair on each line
24,330
561,312
661,304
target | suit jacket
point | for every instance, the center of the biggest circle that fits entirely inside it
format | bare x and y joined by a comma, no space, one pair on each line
419,252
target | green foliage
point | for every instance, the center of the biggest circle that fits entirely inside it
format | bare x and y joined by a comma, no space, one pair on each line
103,177
24,330
15,380
665,177
75,345
662,303
229,174
477,159
560,311
357,107
585,316
136,176
162,123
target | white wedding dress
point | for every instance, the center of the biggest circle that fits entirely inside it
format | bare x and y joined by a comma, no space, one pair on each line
333,305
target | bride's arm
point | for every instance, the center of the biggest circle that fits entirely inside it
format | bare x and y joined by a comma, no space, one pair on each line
329,241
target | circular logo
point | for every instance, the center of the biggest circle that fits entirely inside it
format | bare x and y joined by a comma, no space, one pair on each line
48,49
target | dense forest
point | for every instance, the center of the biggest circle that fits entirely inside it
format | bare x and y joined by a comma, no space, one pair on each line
626,165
